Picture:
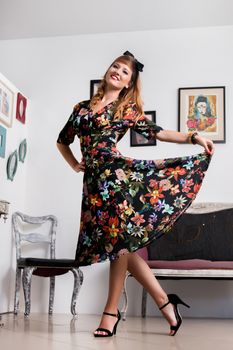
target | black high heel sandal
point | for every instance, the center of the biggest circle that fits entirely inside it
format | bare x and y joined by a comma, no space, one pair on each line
175,300
109,333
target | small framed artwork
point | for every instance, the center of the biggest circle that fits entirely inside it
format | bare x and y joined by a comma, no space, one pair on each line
21,108
139,140
2,141
22,150
94,84
12,164
6,104
202,109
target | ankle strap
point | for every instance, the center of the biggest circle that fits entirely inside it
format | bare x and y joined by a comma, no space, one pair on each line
107,313
164,305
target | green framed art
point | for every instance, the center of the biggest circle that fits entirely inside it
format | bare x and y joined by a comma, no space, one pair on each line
22,150
12,164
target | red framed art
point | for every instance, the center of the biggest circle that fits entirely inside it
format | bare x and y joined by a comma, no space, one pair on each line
21,108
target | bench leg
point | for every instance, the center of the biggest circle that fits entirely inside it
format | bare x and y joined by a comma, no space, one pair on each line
144,300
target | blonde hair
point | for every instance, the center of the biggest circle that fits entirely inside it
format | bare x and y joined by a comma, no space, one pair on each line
126,96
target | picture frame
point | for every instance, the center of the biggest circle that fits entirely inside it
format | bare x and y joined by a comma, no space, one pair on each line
6,104
2,141
202,110
12,164
137,140
94,84
21,106
22,151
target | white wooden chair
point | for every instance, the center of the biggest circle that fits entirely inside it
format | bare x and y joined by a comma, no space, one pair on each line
25,230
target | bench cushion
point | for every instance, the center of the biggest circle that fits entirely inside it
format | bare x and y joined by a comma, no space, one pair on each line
190,264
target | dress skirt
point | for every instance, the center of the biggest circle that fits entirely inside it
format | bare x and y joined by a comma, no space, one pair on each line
126,203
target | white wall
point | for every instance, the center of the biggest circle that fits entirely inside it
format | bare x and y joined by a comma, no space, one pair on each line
55,73
13,192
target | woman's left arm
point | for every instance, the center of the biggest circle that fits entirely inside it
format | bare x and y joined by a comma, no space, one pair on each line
182,137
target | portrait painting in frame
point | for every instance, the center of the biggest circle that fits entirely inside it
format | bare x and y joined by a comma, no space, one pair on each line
202,110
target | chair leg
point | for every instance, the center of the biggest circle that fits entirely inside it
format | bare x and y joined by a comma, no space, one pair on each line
78,281
17,290
26,279
125,296
51,294
144,300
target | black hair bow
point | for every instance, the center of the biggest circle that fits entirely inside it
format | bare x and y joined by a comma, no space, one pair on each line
139,65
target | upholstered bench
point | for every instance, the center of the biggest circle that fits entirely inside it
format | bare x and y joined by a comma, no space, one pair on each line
200,246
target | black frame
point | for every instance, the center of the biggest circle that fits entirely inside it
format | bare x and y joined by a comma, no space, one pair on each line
134,142
93,86
220,136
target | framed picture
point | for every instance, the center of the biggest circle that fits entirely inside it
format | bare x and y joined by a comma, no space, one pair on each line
6,104
202,109
2,141
22,150
12,164
21,108
139,140
94,86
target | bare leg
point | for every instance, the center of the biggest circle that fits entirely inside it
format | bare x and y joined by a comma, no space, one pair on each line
141,271
117,273
143,274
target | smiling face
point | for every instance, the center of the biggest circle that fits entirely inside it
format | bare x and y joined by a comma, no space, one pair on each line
118,75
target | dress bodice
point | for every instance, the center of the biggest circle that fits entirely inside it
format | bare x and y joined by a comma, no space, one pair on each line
100,132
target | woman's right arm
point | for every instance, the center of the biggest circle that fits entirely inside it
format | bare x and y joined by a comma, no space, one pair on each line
70,158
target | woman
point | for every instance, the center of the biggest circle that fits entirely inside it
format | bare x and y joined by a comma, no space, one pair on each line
127,203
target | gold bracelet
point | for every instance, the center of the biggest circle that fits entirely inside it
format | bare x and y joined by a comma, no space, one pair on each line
189,137
192,137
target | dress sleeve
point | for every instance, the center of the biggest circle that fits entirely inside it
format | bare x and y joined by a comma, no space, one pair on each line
67,134
145,126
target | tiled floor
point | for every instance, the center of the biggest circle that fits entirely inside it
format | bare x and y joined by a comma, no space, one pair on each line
61,332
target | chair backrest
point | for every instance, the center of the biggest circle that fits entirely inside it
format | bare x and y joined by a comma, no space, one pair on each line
21,224
143,253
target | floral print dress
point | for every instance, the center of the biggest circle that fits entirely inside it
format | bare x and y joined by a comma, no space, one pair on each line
126,203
